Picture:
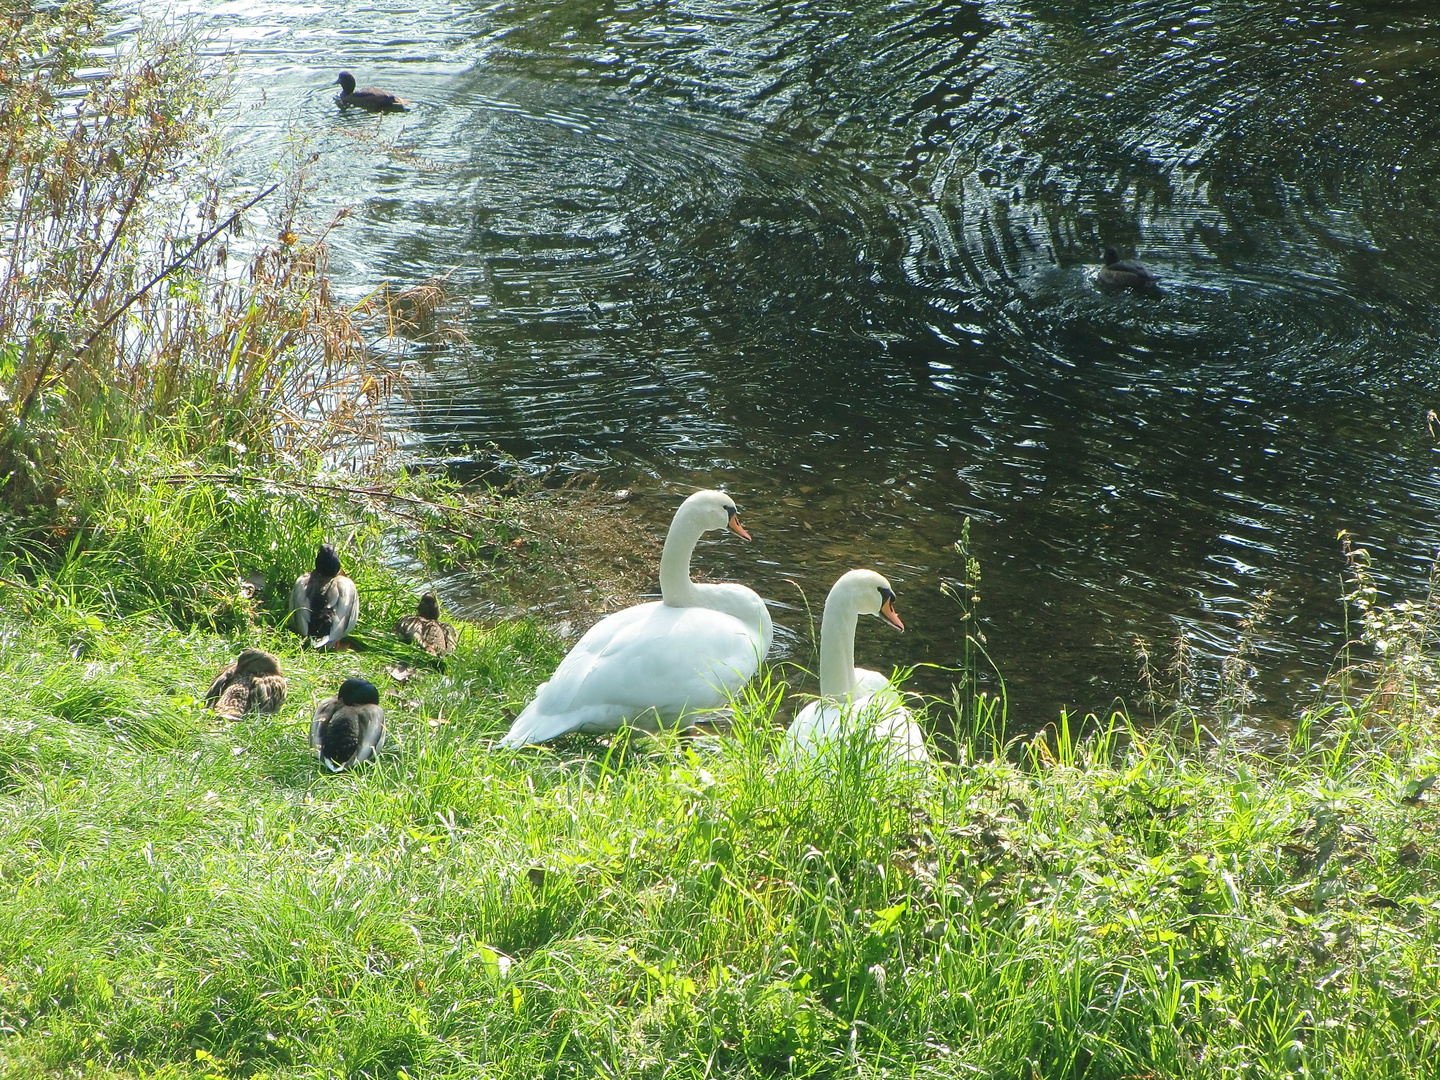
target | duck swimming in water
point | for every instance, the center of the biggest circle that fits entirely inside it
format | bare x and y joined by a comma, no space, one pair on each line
349,727
1125,273
324,601
369,99
253,683
425,629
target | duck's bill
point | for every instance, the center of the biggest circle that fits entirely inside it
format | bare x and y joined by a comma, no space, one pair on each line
737,528
887,612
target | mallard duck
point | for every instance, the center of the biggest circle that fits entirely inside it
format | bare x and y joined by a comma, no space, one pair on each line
324,601
425,629
349,727
850,695
1124,273
654,663
369,99
253,683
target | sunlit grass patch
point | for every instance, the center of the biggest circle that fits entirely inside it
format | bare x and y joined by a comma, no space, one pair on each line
674,905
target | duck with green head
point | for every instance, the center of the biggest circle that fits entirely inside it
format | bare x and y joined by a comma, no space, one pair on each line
325,603
350,727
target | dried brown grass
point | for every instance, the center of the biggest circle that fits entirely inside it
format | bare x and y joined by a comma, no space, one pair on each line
124,314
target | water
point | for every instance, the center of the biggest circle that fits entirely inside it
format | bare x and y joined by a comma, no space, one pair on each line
840,261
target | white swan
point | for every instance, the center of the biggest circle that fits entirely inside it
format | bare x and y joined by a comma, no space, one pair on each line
653,663
851,695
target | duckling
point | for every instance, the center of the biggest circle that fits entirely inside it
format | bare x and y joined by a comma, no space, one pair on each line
324,601
349,727
1125,273
369,99
253,683
425,629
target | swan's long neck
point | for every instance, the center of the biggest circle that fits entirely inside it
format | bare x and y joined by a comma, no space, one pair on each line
676,588
837,647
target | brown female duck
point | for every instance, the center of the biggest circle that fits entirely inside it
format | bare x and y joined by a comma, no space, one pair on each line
425,629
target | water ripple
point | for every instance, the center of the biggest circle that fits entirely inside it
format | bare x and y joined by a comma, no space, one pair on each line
844,262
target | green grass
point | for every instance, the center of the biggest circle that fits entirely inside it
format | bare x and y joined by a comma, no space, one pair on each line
185,897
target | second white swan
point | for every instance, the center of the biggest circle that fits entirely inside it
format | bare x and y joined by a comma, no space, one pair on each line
652,664
850,696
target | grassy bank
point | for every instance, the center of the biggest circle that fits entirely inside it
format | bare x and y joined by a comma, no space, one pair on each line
188,897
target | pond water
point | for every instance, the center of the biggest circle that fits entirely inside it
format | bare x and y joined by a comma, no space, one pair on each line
840,260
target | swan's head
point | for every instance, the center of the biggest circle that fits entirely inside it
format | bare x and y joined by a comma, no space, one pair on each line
358,692
714,510
869,593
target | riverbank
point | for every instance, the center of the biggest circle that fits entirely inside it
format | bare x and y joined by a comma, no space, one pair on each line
186,896
183,896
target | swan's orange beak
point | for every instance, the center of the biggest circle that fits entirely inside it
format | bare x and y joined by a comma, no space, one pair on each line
887,612
737,528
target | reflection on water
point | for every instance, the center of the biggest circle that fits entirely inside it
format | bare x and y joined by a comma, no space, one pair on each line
840,261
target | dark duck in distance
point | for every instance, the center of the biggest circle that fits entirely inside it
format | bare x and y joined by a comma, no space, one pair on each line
324,601
425,629
369,99
253,683
1125,273
350,727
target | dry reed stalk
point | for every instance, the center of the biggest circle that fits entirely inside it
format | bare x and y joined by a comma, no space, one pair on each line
120,315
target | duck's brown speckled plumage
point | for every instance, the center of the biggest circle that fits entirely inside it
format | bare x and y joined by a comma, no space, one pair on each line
253,683
425,629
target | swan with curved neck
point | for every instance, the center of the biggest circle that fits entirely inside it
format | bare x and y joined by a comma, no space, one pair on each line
652,664
848,693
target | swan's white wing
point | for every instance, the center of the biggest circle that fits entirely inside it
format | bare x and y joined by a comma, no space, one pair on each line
822,720
814,725
881,711
669,660
868,683
893,723
743,603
